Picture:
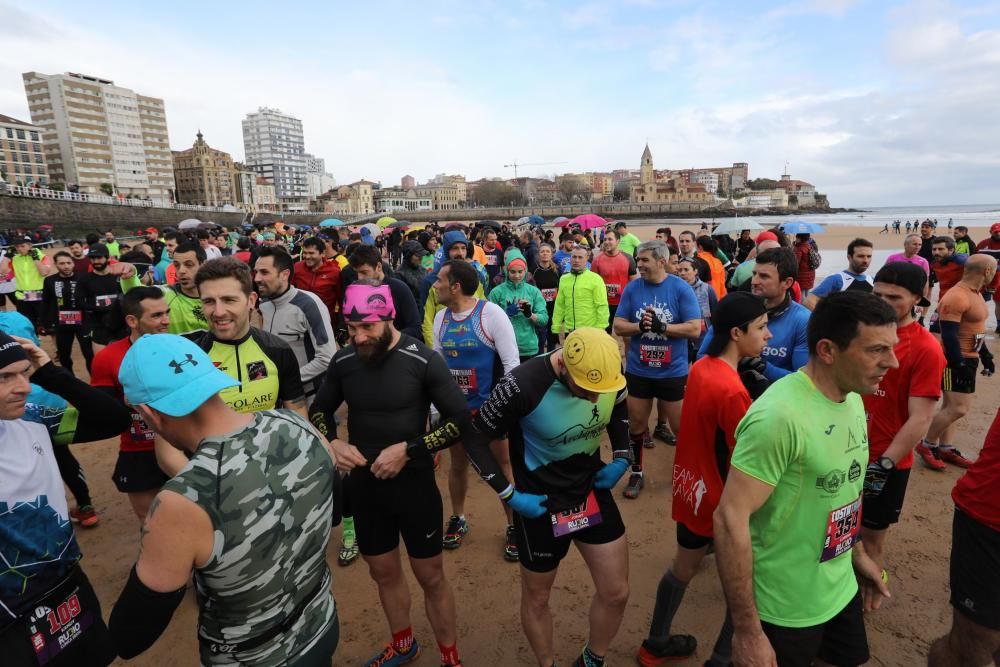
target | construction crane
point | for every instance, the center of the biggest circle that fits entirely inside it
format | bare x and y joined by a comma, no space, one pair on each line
515,164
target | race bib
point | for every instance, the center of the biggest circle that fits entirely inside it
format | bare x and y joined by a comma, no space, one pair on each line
105,300
465,378
70,317
977,342
32,295
614,289
491,260
654,356
842,529
577,518
139,432
549,294
59,619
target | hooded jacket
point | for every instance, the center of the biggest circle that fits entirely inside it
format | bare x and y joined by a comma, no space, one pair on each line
509,295
411,275
427,296
582,301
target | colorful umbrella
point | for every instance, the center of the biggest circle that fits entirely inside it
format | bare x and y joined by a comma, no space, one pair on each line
802,227
560,221
588,221
523,221
372,228
398,224
385,221
536,220
332,222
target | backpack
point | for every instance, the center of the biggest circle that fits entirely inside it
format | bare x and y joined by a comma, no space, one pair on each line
814,258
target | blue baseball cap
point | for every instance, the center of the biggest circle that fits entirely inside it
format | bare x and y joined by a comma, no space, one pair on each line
170,374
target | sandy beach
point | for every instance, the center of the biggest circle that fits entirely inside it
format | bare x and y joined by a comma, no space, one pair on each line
487,588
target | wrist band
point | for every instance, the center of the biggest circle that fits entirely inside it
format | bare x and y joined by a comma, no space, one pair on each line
507,493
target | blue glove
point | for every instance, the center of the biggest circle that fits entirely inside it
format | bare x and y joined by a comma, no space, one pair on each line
609,475
528,504
512,309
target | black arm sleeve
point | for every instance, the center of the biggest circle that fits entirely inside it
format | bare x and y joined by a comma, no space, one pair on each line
949,339
49,309
617,428
496,416
140,616
448,398
408,319
328,399
101,414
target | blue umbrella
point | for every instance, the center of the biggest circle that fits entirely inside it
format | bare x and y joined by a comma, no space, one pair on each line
535,220
332,222
802,227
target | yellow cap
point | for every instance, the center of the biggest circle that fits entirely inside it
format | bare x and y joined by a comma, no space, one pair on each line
593,360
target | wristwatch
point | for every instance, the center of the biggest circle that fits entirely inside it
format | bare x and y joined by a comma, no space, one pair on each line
885,463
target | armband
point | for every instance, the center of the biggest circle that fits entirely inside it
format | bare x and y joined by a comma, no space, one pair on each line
507,493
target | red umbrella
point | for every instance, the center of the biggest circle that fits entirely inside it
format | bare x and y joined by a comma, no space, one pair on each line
588,221
560,221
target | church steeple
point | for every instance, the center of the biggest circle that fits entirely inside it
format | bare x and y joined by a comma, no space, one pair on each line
646,167
647,156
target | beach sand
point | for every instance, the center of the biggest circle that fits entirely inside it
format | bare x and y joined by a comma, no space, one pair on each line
487,589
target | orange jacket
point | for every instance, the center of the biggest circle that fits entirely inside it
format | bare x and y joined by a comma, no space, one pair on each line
718,273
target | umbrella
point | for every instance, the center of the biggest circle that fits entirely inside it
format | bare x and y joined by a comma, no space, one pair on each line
372,228
802,227
535,220
588,221
190,223
735,225
332,222
523,220
561,218
399,223
384,221
489,223
208,225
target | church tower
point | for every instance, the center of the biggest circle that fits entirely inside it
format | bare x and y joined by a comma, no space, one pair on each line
646,169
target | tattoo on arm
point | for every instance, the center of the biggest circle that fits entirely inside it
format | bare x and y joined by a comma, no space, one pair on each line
144,529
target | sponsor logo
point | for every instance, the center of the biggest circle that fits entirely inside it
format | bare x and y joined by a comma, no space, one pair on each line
831,481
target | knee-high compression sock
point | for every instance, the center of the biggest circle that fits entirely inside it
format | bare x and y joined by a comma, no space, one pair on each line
635,441
722,653
669,594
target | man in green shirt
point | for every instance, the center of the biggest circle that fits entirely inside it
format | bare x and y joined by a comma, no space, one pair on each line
627,241
186,315
787,525
30,266
112,245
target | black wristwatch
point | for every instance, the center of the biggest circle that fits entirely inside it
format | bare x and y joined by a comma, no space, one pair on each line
885,463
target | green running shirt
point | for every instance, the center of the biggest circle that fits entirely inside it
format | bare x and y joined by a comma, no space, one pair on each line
186,314
263,364
814,453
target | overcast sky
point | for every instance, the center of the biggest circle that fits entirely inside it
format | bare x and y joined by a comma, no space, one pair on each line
875,102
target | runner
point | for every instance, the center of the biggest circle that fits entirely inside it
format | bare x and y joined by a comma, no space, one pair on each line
296,316
187,316
63,311
859,258
494,258
385,373
252,477
963,243
366,263
546,278
37,542
565,252
29,266
81,264
555,408
152,235
911,250
948,265
658,313
136,472
264,366
707,301
627,241
974,637
522,302
790,511
479,346
991,246
788,349
582,298
901,409
114,249
716,401
707,249
616,268
100,290
163,271
963,315
454,245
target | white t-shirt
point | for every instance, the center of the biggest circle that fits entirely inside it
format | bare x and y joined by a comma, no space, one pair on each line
211,252
496,325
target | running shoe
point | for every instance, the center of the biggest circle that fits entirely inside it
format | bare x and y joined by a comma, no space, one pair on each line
634,486
929,457
456,532
953,456
510,552
348,551
390,657
86,516
677,647
647,440
662,431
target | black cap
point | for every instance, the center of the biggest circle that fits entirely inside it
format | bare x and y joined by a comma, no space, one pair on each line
98,250
734,310
23,239
906,275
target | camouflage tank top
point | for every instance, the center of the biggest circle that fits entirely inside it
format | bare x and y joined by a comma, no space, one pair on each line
268,490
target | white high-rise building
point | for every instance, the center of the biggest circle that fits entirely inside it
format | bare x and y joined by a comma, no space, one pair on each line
97,133
275,150
319,181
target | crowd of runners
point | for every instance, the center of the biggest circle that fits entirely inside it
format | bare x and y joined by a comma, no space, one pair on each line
269,384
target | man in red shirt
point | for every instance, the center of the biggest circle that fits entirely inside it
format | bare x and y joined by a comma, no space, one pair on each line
317,275
974,638
137,472
615,268
948,265
901,409
715,401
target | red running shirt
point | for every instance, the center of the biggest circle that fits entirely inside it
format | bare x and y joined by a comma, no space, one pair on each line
715,401
977,492
921,363
615,272
104,373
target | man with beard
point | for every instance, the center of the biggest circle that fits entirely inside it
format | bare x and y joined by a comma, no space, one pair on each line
136,473
991,246
155,244
318,275
81,264
63,312
100,290
263,364
859,258
384,373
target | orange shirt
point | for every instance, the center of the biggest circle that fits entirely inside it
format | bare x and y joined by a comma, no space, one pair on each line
718,273
968,308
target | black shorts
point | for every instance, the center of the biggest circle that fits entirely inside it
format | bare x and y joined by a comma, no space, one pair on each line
881,511
841,641
960,379
408,505
975,570
662,389
691,540
612,311
138,471
541,551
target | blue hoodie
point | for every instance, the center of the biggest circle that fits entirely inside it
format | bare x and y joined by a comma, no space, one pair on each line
428,299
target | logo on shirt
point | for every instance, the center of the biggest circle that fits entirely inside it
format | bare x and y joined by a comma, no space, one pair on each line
854,472
178,366
829,430
831,481
256,370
